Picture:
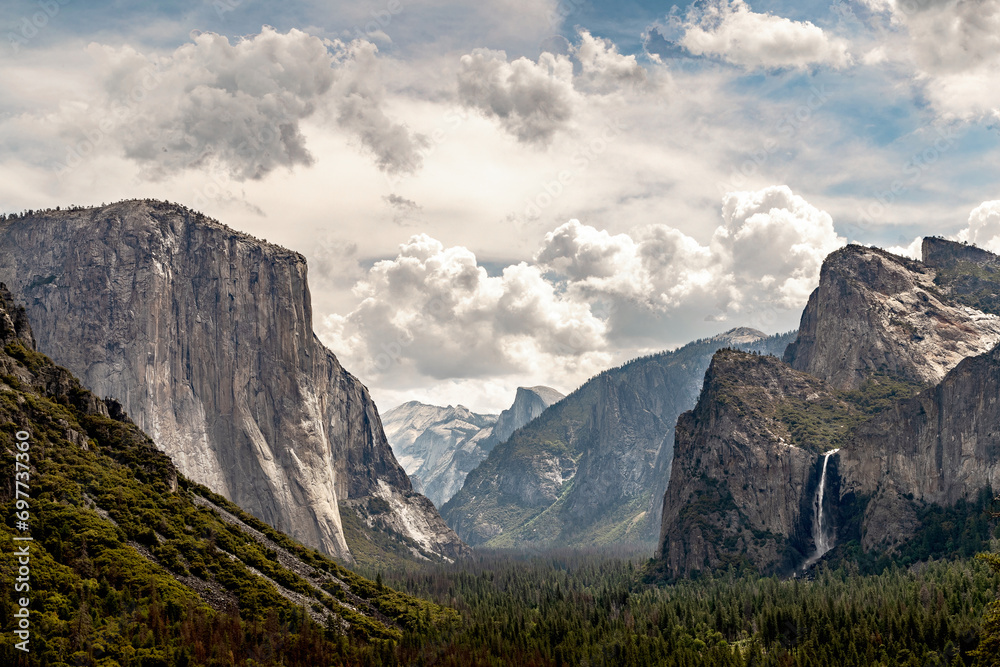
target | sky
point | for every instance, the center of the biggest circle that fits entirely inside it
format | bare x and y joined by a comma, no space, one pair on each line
510,193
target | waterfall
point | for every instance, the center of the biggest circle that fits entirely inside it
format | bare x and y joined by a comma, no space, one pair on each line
821,536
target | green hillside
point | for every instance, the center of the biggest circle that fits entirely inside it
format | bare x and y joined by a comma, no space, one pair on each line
131,564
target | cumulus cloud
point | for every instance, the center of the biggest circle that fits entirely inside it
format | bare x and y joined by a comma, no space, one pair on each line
240,105
532,100
360,97
955,47
435,312
913,249
772,244
766,255
730,30
604,69
983,229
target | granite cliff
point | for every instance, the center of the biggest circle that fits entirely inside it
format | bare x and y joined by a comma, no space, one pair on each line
204,334
529,402
876,312
895,366
742,476
438,446
592,468
944,448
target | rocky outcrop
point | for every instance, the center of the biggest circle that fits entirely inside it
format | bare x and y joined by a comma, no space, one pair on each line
205,336
743,479
944,446
592,468
439,446
875,312
14,326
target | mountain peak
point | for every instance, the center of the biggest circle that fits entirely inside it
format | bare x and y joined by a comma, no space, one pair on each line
876,312
529,402
547,394
740,336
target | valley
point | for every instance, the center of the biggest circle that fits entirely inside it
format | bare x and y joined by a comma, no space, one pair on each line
730,502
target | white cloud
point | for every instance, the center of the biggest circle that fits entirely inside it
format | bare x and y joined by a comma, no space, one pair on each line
532,100
914,250
239,105
360,99
954,46
604,69
766,255
983,229
236,106
433,314
731,31
772,245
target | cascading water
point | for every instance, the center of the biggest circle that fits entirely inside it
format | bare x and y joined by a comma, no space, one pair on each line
821,537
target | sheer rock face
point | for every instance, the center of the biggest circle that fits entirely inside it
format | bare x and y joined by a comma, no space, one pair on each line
940,446
14,326
438,447
739,489
205,336
876,312
529,402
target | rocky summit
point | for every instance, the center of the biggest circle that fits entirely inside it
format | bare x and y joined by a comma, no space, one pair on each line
205,335
592,468
438,446
876,312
